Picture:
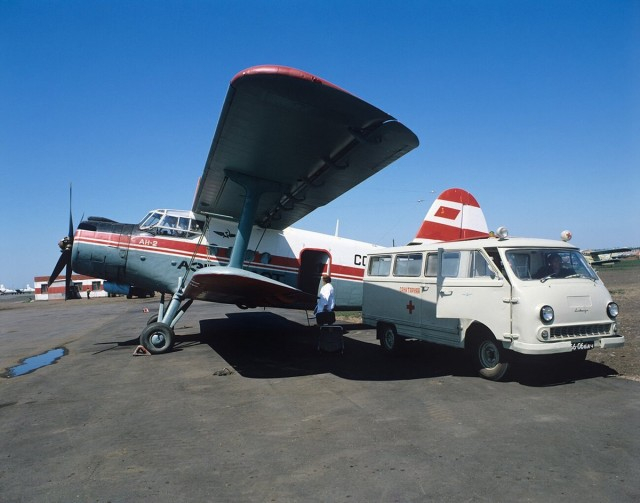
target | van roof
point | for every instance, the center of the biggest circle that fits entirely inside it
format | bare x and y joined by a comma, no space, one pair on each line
480,243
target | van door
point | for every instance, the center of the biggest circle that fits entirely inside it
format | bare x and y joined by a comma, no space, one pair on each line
471,289
440,330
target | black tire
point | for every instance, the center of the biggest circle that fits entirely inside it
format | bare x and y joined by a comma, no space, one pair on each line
157,338
490,358
153,319
390,341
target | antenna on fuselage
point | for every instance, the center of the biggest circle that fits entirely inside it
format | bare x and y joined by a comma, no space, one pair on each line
337,227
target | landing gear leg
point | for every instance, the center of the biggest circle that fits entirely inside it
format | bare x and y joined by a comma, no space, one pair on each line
158,336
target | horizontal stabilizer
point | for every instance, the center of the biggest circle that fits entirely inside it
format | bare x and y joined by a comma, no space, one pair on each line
228,285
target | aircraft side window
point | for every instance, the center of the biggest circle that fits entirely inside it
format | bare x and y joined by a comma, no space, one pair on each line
431,267
380,265
196,226
450,264
409,265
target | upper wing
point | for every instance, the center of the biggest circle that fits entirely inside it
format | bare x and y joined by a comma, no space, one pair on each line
245,288
314,139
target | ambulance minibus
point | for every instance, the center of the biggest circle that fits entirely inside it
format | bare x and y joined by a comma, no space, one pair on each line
494,297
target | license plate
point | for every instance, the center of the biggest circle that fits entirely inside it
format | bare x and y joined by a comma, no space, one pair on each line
578,346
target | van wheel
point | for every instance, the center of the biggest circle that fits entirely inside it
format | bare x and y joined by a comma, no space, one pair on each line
390,341
490,359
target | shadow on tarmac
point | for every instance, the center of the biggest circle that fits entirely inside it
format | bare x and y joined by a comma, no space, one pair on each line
260,345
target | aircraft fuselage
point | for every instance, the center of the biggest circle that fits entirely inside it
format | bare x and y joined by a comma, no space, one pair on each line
161,256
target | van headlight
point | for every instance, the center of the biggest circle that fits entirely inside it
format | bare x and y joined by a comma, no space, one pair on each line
546,314
612,310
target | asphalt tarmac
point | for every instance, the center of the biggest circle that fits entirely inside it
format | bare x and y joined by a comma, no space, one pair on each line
247,409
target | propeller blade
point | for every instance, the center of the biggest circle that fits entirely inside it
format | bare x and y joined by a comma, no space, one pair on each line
70,216
67,280
62,262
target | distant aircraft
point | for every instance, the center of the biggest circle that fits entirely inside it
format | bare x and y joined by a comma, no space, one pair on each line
605,256
26,289
287,142
6,291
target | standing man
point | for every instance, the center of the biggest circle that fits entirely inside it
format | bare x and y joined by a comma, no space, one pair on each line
326,302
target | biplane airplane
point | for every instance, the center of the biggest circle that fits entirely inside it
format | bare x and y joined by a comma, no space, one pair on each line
287,142
608,256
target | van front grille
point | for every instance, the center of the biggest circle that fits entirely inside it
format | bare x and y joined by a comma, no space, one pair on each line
580,331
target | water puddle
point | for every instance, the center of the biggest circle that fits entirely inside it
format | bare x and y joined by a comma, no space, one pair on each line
33,363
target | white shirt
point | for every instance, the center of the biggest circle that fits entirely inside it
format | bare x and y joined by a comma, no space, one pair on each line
327,298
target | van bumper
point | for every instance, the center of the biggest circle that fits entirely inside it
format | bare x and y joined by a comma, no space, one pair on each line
548,348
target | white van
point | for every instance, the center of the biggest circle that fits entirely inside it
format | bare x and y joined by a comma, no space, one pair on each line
494,297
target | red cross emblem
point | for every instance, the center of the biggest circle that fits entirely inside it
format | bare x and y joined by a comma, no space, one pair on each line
410,307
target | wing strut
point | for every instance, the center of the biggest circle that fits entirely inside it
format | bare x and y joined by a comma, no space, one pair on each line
254,188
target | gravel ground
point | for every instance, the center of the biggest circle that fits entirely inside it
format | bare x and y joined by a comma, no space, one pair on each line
623,281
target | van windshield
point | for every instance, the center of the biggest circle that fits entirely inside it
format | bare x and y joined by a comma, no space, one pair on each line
545,263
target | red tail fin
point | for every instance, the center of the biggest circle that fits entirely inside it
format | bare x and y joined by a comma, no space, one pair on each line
454,215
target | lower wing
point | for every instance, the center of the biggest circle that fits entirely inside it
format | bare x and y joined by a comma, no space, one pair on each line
245,289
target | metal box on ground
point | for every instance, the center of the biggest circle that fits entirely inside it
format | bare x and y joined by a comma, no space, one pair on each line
331,339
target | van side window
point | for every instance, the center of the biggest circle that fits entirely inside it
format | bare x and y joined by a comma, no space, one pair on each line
408,264
380,265
479,266
431,268
450,264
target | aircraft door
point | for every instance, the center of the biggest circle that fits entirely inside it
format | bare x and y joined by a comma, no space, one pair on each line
313,263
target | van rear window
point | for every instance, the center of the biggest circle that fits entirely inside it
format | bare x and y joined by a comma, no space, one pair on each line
409,264
380,265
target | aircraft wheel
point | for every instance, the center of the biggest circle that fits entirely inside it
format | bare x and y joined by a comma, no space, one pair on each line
157,338
390,341
153,319
490,359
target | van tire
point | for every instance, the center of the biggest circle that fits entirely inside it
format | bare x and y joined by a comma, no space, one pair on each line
490,358
390,341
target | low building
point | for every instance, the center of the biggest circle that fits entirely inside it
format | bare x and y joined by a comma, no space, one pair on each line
85,286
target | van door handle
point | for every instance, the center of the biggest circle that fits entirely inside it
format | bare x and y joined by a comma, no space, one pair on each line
424,287
446,294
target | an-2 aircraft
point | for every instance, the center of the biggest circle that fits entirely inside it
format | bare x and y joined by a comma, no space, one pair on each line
26,289
605,256
286,143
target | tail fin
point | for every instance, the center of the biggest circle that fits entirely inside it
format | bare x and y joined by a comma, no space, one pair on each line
454,215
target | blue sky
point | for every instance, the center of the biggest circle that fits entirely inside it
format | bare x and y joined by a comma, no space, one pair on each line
533,106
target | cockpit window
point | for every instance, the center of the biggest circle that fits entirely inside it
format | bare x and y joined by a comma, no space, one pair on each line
165,224
150,220
543,264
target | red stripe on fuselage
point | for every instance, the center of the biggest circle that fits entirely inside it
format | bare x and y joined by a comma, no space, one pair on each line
184,249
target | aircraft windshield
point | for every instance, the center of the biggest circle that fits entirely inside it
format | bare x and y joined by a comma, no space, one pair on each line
166,224
543,264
